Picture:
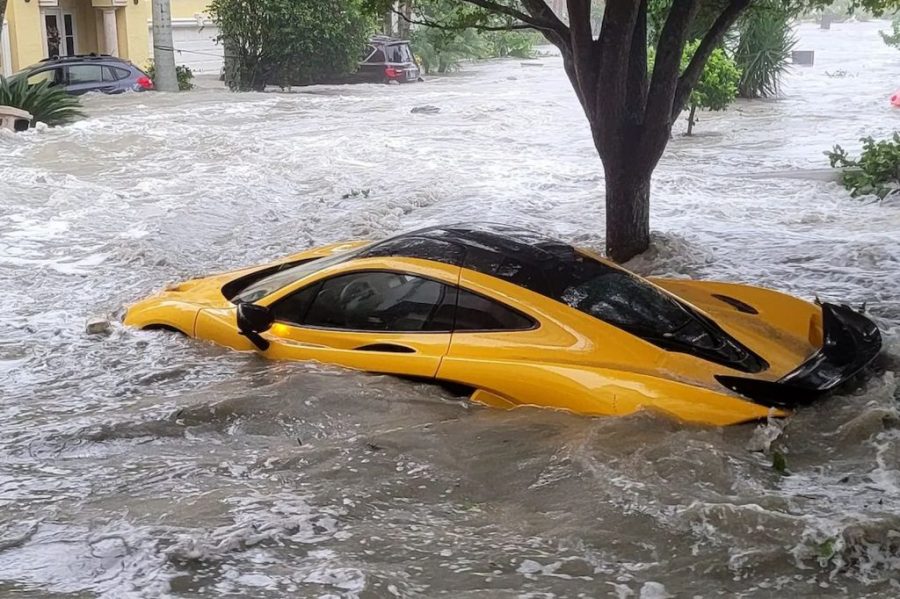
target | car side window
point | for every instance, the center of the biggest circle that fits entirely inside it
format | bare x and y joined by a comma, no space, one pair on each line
293,308
54,76
367,53
85,73
114,73
377,301
477,313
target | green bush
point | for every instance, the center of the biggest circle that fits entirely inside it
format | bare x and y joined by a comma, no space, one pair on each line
285,42
718,84
183,72
717,87
876,171
892,38
50,105
514,44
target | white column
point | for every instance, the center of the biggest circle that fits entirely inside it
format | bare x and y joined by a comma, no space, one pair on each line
110,32
5,51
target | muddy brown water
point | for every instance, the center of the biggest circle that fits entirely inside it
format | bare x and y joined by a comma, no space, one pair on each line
142,464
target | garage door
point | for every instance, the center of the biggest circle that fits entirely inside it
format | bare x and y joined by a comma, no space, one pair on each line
195,45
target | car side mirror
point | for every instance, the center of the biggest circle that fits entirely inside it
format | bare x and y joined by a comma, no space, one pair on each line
253,319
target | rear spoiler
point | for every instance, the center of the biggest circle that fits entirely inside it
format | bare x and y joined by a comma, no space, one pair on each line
851,342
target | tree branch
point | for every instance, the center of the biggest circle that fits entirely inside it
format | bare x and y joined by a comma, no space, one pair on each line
611,51
669,51
436,25
713,38
637,86
581,41
540,17
511,12
542,12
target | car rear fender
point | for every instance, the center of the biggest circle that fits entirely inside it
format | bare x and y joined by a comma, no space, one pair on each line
597,391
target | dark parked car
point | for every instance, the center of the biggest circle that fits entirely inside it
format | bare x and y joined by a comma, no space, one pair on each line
89,73
387,59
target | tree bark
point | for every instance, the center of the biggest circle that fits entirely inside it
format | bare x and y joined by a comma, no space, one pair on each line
388,23
403,22
630,113
627,212
691,120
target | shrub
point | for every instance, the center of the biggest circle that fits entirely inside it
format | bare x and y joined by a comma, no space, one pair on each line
717,87
718,84
47,104
286,42
876,171
892,38
183,73
515,44
763,49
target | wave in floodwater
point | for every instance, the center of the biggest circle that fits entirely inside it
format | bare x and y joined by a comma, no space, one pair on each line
144,464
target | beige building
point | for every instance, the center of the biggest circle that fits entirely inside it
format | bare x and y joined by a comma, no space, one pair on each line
38,29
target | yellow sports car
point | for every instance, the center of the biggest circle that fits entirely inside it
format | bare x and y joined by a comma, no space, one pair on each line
524,320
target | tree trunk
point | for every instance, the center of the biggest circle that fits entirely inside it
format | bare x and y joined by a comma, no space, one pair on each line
631,110
388,23
403,22
627,212
691,119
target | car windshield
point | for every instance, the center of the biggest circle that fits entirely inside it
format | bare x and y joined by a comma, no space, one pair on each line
625,301
268,285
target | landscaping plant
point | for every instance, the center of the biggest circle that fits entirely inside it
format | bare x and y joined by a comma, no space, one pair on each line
717,87
765,42
892,38
183,73
284,42
50,105
875,172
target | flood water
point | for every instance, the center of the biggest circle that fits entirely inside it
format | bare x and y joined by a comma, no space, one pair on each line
143,464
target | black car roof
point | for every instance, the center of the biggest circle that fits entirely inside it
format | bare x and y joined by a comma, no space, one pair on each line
386,41
517,255
91,56
76,58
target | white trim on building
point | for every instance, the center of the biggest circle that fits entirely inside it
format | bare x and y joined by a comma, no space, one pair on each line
5,51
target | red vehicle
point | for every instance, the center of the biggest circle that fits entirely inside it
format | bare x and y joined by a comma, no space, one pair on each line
386,60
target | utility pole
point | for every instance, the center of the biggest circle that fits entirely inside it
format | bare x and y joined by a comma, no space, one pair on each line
163,51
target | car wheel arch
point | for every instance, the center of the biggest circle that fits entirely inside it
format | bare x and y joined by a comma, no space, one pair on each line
159,326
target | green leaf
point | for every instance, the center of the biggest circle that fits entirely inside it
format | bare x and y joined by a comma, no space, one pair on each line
47,104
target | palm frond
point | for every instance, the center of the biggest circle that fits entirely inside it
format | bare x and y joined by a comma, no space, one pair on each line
762,52
47,104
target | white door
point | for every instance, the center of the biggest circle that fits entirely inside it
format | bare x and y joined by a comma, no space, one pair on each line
58,30
195,45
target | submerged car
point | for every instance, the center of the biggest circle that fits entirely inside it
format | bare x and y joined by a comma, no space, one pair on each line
85,73
387,60
520,319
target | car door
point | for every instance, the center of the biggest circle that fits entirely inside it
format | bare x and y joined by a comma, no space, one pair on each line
377,320
83,78
508,347
55,75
